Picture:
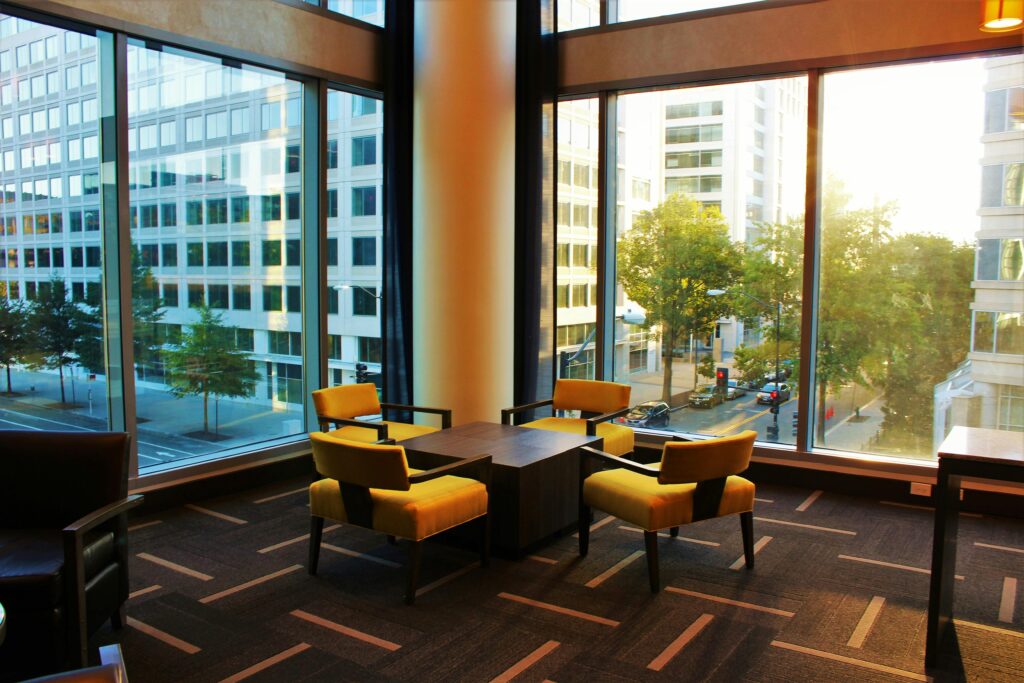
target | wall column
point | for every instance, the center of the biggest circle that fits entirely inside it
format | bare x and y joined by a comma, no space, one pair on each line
464,206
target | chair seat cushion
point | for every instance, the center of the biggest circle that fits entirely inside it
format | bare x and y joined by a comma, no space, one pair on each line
618,439
30,568
642,501
424,510
399,431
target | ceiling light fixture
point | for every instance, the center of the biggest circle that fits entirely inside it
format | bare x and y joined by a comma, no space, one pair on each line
1001,15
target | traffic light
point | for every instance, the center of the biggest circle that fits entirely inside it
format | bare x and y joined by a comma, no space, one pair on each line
775,397
361,377
722,377
774,409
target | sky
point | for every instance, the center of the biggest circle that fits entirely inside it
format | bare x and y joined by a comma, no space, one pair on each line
910,133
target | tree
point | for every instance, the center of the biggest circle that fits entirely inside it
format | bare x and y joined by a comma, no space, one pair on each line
667,263
14,334
706,366
59,326
146,314
206,363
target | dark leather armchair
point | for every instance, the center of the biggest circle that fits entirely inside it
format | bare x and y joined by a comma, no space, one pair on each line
63,544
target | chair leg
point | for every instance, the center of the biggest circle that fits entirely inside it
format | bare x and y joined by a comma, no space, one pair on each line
651,545
747,527
117,619
485,540
584,529
415,551
674,532
316,532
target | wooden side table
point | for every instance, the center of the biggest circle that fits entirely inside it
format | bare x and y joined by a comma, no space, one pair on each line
966,452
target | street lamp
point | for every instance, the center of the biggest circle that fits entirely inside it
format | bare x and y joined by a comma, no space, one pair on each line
774,427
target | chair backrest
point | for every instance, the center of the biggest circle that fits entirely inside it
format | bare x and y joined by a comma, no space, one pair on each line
369,466
590,396
50,479
347,401
684,462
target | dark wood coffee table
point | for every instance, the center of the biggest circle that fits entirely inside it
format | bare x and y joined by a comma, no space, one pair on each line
534,476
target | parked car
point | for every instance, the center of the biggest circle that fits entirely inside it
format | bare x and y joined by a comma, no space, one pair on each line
765,394
707,396
647,414
735,390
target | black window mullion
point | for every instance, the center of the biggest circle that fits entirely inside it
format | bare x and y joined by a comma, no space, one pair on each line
606,153
314,242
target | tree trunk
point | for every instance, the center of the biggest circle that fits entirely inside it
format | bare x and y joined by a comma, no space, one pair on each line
819,419
206,421
668,343
60,371
9,378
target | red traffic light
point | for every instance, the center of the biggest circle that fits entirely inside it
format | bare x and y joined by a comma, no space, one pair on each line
720,374
775,395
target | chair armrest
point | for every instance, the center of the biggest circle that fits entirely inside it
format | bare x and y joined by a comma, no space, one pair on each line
610,461
507,413
593,421
481,464
96,517
445,413
382,429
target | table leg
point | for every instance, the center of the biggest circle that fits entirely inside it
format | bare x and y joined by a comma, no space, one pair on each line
940,593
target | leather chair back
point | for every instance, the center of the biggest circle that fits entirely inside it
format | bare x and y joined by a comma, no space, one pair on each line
685,462
367,466
347,401
51,479
590,396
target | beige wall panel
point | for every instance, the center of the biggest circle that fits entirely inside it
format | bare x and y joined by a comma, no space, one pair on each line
262,30
799,36
464,213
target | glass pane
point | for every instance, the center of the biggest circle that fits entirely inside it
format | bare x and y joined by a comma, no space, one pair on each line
355,229
709,256
51,250
207,181
574,14
901,272
370,11
576,239
642,9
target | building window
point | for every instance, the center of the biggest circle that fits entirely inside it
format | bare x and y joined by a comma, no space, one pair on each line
364,251
364,150
271,252
364,301
369,349
364,201
272,298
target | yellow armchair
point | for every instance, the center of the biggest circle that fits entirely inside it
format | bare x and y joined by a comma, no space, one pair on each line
340,405
695,480
372,486
598,403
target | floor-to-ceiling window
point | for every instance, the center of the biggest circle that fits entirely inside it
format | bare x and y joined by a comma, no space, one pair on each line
51,277
576,239
922,292
216,243
354,237
709,227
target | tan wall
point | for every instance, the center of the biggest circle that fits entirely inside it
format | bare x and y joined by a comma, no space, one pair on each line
266,31
773,40
463,204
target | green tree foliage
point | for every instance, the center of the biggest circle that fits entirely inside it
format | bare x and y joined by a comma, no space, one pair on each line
667,263
58,326
147,312
206,363
706,366
14,334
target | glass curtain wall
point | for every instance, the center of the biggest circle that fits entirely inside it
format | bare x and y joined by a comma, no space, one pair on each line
576,239
355,231
51,251
922,288
215,202
629,10
709,243
370,11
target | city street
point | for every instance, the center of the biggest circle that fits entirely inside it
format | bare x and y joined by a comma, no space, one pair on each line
170,428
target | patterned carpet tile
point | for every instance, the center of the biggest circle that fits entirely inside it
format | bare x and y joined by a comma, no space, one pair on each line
839,591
